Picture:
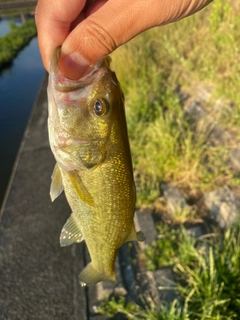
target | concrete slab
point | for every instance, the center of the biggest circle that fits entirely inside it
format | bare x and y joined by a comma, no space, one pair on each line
38,278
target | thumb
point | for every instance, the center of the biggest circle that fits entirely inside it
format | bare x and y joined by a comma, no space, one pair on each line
113,24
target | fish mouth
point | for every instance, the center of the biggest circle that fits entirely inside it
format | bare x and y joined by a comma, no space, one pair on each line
66,141
64,85
72,141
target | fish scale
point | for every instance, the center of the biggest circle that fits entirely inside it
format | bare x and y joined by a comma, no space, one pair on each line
88,137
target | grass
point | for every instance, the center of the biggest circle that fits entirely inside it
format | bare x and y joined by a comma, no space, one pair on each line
15,40
201,49
208,276
171,242
126,311
212,290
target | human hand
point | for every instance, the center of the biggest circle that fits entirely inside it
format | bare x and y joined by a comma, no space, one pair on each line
88,30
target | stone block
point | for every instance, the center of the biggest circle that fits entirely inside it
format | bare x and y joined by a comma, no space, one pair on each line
164,278
175,200
146,224
223,205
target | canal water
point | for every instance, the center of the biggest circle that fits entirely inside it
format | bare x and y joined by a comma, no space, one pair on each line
4,24
19,85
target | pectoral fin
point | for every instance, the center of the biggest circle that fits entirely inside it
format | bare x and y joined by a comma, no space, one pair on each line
56,187
70,232
80,188
135,236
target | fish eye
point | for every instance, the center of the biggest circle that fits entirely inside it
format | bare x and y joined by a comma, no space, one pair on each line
99,107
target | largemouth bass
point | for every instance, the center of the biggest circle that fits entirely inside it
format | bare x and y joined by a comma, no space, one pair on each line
89,140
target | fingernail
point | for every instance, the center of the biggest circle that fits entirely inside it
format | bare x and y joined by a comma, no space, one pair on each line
74,66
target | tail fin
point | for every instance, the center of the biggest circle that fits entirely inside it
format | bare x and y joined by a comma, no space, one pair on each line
89,276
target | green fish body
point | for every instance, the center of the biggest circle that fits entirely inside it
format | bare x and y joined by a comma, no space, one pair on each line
88,137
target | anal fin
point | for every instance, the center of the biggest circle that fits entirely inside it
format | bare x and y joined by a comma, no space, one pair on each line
70,232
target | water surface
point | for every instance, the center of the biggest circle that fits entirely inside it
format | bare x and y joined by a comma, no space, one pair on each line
19,85
4,24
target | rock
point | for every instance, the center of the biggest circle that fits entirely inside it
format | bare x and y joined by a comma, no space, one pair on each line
222,109
157,286
194,111
206,121
174,198
148,291
204,93
216,133
164,278
195,231
146,224
234,157
223,205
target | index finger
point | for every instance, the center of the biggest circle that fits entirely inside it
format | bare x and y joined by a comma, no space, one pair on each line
53,20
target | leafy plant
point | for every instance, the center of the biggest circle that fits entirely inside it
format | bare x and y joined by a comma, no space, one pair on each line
15,40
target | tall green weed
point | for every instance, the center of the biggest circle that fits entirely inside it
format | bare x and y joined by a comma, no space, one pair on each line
208,276
203,48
